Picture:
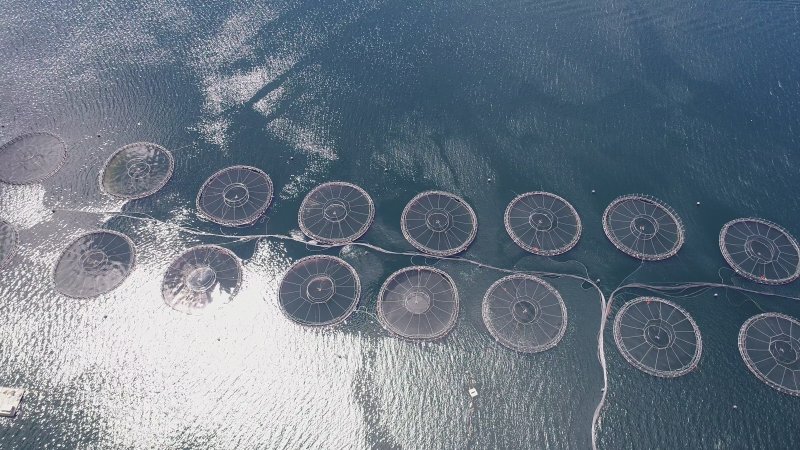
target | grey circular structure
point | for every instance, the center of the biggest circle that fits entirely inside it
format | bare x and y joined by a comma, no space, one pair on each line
439,223
137,170
760,251
31,158
525,313
770,346
643,227
542,223
319,290
9,239
204,277
336,213
419,303
93,264
235,196
658,337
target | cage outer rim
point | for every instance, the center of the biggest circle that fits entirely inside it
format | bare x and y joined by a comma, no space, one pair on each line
644,256
170,157
83,235
360,232
741,272
49,175
439,253
528,248
228,252
237,223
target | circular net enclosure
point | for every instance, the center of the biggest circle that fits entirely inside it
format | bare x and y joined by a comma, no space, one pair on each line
235,196
418,303
643,227
319,290
770,346
9,239
94,263
137,170
658,337
542,223
760,251
525,313
439,223
336,213
202,278
31,158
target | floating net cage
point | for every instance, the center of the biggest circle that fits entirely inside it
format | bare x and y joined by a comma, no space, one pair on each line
439,223
643,227
235,196
543,223
319,290
525,313
31,158
204,277
770,346
658,337
9,239
760,251
93,264
336,213
137,170
418,303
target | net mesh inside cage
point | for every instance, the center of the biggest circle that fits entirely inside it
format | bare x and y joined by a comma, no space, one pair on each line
336,213
542,223
235,196
31,158
643,227
9,239
658,337
439,223
137,170
319,290
770,346
525,313
760,251
202,278
94,263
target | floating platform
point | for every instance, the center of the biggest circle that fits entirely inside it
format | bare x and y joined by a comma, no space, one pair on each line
10,401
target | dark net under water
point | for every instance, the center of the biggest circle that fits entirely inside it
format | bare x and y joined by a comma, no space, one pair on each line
542,223
202,278
770,346
235,196
137,170
319,290
9,239
336,213
760,251
643,227
439,223
94,263
31,158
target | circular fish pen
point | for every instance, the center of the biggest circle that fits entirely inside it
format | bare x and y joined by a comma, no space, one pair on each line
336,213
525,313
643,227
419,303
93,264
319,290
770,346
202,278
31,158
235,196
658,337
137,170
760,251
439,223
9,239
542,223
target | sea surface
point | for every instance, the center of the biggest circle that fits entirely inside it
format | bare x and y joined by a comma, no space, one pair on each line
688,101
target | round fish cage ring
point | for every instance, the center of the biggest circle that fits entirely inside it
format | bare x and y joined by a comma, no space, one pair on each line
31,158
9,239
643,227
235,196
336,213
137,170
319,291
760,251
770,346
419,303
543,223
658,337
93,264
202,278
439,223
525,313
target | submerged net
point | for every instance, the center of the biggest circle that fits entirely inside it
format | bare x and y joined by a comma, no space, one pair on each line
760,250
542,223
418,303
525,313
31,158
319,290
8,243
336,213
439,223
658,337
204,277
94,263
137,170
770,346
235,196
643,227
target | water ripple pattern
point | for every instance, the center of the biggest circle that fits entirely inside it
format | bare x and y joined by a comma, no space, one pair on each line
643,227
204,277
235,196
9,239
770,346
31,158
137,170
94,263
542,223
336,213
760,251
319,290
439,223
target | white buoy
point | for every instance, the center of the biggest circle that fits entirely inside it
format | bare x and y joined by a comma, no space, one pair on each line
593,191
698,203
716,295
